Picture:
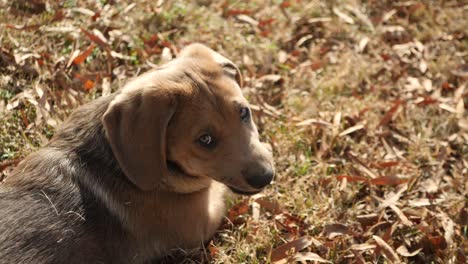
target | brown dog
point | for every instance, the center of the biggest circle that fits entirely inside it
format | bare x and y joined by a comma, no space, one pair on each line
133,175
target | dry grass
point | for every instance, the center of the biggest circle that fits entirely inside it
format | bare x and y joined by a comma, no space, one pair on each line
364,102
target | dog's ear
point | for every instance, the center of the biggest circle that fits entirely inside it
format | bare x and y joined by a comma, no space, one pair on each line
232,70
197,50
135,124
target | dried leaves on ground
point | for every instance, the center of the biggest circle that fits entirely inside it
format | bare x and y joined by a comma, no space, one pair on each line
364,104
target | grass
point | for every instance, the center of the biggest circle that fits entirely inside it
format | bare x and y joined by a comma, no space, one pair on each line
364,104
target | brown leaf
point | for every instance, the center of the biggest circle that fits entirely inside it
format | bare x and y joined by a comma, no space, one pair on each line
367,219
403,251
362,247
334,230
352,178
309,256
266,22
392,197
438,242
281,252
8,163
404,220
384,165
387,250
237,210
88,85
285,4
387,180
235,12
95,39
388,116
82,57
214,251
23,27
294,224
317,64
426,100
273,207
59,15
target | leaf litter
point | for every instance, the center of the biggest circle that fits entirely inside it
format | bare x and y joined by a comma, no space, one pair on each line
364,105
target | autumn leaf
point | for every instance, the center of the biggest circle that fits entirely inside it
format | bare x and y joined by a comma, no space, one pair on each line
280,253
88,85
388,116
95,39
82,57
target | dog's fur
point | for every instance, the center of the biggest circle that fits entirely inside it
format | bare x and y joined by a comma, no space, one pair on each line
124,180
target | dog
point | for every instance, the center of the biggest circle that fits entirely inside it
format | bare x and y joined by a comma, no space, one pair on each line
131,176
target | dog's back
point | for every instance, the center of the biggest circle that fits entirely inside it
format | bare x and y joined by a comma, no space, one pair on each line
47,214
33,228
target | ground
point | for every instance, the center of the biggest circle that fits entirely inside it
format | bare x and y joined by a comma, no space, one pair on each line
364,103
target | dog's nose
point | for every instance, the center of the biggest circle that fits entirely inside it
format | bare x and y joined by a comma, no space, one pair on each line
260,180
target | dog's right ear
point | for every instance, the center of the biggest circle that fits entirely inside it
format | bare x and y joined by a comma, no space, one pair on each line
201,51
136,124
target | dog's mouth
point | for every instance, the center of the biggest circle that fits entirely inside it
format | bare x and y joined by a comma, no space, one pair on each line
237,191
177,169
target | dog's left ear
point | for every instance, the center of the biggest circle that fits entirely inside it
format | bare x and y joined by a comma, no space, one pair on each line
197,50
136,124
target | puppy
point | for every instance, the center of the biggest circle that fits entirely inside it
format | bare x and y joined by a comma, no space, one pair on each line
131,176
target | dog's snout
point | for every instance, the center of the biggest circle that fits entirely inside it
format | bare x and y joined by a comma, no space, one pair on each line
259,178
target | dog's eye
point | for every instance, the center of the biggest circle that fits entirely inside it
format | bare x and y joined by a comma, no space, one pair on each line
206,140
244,114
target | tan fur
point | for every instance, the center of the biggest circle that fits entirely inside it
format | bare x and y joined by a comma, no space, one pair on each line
125,179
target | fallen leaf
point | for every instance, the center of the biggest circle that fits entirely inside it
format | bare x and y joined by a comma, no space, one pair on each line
438,242
281,253
214,251
94,38
404,220
393,197
384,165
403,251
247,19
346,18
235,12
352,178
8,163
448,108
88,85
351,130
388,116
82,57
334,230
387,250
448,225
266,22
388,180
285,4
313,121
255,211
300,256
362,247
273,207
237,210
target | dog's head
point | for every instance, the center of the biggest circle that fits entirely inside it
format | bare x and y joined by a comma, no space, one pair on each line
186,123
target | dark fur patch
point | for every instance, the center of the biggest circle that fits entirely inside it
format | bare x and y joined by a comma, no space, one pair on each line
49,214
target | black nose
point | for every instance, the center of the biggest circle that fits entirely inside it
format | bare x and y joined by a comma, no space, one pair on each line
260,180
